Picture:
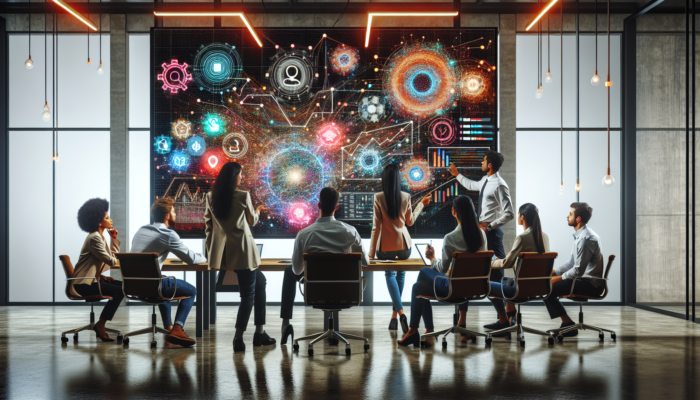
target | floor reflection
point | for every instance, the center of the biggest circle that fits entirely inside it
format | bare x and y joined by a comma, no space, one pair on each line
654,357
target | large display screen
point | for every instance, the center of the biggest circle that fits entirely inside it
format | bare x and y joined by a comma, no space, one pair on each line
315,108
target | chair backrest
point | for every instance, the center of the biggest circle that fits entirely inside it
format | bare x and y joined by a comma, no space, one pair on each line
469,275
533,275
140,275
333,279
605,274
68,270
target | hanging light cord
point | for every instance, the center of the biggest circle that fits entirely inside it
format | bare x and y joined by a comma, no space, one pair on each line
46,62
30,30
561,89
548,45
100,8
608,85
596,37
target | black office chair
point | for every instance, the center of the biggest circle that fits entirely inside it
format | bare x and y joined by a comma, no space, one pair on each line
580,299
332,282
142,281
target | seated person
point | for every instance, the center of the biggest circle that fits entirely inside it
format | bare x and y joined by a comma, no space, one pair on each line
160,238
95,258
326,235
467,237
585,263
531,240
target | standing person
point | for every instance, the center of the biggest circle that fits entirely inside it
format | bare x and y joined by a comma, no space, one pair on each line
390,238
230,245
495,207
585,263
96,258
326,235
162,239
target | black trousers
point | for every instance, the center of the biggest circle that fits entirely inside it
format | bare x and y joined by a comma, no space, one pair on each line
562,288
112,289
252,285
494,242
289,291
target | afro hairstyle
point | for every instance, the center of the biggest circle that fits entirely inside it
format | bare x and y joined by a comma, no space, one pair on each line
91,214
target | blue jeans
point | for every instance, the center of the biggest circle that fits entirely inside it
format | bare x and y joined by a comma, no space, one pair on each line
395,279
502,289
252,286
183,310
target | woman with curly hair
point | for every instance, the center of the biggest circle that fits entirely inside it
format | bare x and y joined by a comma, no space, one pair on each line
95,258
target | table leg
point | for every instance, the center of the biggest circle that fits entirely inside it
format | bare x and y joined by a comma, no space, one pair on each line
199,300
206,299
212,297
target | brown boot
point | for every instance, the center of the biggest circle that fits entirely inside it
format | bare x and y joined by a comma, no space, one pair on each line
178,336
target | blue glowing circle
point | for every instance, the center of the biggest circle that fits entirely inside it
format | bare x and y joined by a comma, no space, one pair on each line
344,60
422,81
416,174
369,160
196,146
163,145
179,160
295,175
216,67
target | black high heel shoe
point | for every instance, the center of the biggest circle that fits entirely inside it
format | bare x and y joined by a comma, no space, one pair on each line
286,332
394,325
411,340
404,323
103,338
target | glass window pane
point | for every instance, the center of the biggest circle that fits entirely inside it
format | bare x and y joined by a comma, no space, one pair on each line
26,86
139,81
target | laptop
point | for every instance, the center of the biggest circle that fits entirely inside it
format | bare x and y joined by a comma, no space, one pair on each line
227,280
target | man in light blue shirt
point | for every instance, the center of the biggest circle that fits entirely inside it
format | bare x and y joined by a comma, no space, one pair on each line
160,238
326,235
585,264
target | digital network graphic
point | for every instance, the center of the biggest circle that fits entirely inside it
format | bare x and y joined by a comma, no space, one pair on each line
314,108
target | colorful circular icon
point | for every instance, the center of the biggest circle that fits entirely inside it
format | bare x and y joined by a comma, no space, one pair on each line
369,160
442,132
179,160
235,145
163,145
181,129
174,76
196,146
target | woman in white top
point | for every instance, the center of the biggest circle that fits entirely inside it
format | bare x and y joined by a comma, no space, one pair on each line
531,240
467,237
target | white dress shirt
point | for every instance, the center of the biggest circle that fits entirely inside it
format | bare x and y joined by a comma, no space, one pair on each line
585,258
454,241
158,238
326,235
496,206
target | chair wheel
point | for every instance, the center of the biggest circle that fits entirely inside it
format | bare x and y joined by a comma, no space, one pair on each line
75,337
550,340
613,336
120,338
473,338
311,352
423,344
444,344
601,337
522,343
366,348
347,351
126,341
295,347
488,341
154,344
64,339
560,338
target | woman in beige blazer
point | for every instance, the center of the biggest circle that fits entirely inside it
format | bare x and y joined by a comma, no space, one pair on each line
390,238
230,245
96,258
531,240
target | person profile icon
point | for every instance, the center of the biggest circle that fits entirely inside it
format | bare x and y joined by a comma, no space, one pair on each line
234,149
291,72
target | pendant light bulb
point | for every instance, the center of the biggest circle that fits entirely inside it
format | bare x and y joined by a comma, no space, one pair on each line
29,63
538,93
100,69
548,77
578,186
561,189
595,81
608,180
46,115
88,60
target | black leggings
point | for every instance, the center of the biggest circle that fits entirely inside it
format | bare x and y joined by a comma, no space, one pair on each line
111,289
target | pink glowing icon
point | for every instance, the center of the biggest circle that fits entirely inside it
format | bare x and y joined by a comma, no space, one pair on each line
329,135
213,160
174,76
299,214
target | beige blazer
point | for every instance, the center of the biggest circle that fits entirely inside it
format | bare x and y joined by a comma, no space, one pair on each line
230,244
95,258
523,242
388,234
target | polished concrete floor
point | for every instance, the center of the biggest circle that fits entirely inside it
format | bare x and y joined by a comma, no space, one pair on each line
654,357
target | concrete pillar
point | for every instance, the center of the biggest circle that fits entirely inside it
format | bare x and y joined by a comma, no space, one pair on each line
119,129
507,106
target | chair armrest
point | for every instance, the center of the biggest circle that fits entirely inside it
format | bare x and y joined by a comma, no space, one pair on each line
81,278
174,290
364,283
301,288
434,285
501,267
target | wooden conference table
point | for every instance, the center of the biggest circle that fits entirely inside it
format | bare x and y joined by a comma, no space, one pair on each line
205,302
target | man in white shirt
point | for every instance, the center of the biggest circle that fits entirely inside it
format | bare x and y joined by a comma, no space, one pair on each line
326,235
494,208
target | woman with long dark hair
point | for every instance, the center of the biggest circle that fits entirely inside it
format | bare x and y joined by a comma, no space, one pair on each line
531,240
390,238
467,237
230,245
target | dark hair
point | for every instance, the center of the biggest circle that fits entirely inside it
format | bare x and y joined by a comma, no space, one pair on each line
328,198
495,159
582,210
391,186
464,208
224,188
161,208
91,214
532,217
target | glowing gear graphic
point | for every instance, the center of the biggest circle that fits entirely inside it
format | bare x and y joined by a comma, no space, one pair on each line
369,160
179,160
373,109
235,145
174,76
196,146
181,129
163,145
442,132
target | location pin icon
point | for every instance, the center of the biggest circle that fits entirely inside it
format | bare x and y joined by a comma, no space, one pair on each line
213,160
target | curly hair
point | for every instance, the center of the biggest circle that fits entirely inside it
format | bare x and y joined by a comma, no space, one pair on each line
91,214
